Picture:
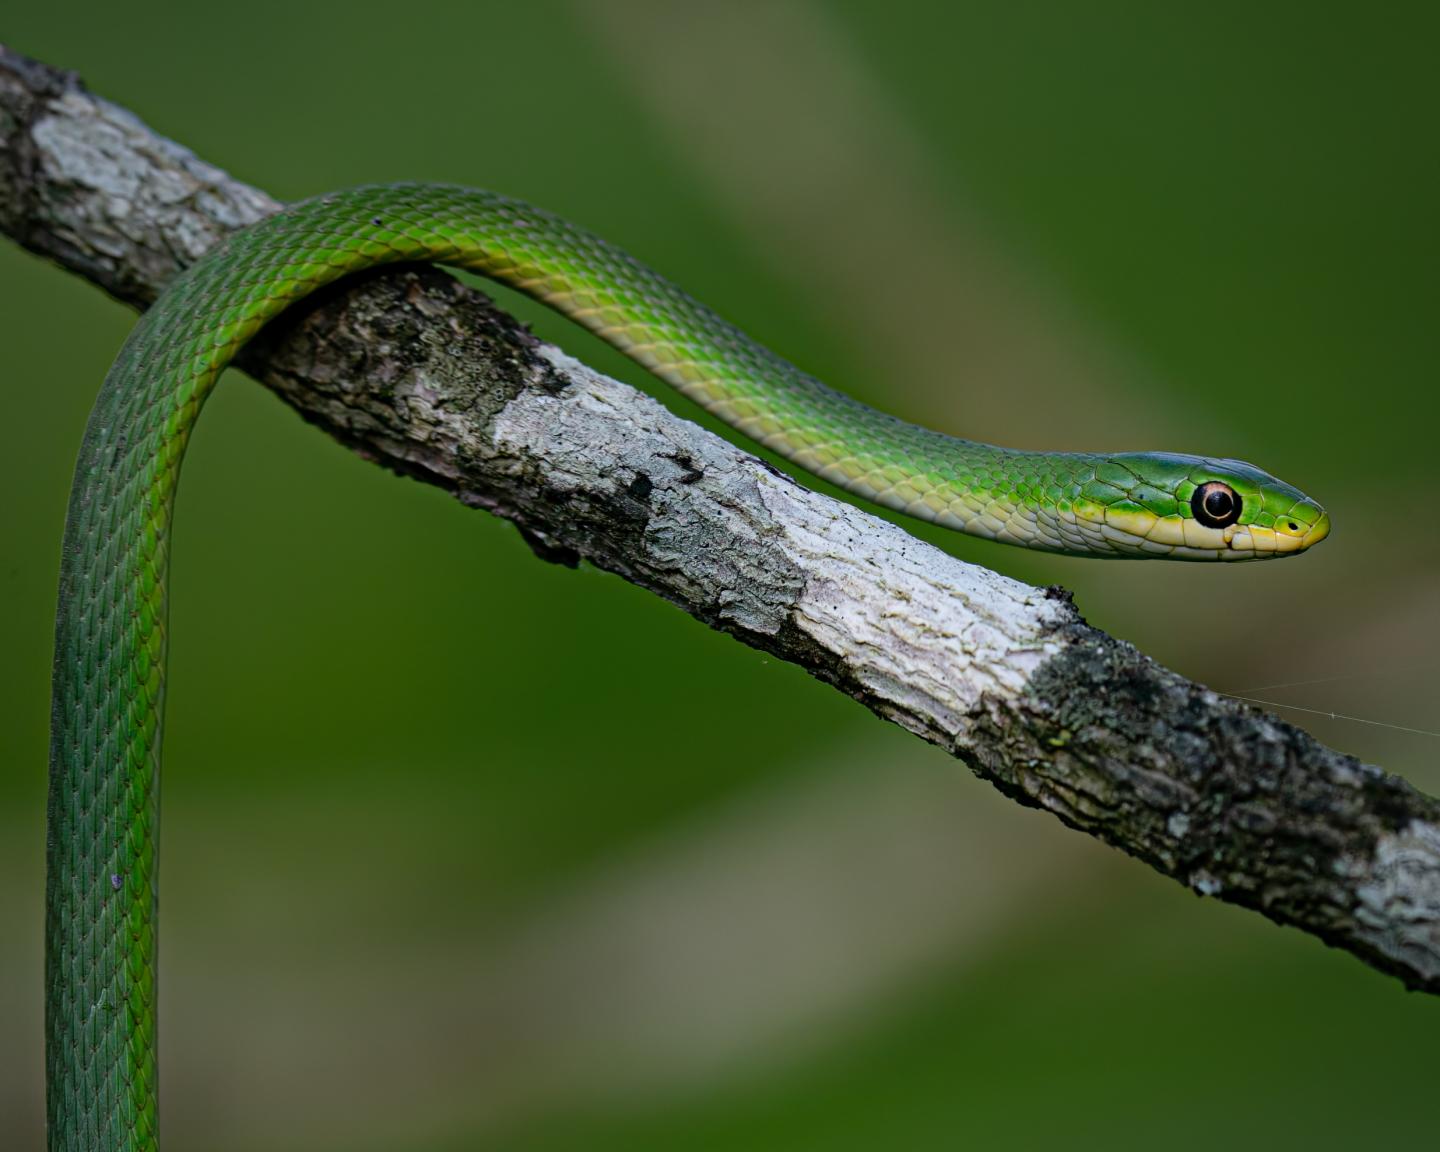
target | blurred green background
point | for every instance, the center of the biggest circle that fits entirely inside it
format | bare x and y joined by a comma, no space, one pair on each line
467,851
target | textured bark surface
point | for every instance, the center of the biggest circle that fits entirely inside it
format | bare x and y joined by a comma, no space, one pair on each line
425,376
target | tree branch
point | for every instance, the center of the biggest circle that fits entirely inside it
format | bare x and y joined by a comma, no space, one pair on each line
425,376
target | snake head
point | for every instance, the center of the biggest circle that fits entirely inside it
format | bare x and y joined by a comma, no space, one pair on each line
1198,508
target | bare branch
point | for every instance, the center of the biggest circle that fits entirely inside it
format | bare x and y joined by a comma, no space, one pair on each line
423,375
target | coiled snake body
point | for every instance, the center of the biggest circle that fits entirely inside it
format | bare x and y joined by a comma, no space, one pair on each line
109,672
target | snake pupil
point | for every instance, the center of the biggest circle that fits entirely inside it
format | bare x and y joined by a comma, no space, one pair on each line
1216,505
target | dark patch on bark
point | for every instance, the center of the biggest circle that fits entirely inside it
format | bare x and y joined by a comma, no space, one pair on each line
688,472
360,360
1229,800
641,487
606,527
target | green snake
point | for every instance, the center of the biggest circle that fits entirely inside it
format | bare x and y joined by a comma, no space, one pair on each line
109,672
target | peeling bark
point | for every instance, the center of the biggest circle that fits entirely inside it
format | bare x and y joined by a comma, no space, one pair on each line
425,376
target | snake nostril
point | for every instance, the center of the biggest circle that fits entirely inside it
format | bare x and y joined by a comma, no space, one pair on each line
1292,526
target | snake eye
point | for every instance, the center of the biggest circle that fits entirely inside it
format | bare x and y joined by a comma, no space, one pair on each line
1215,505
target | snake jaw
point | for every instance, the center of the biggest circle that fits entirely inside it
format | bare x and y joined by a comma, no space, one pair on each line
1125,532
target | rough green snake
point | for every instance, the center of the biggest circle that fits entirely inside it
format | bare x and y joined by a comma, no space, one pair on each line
109,672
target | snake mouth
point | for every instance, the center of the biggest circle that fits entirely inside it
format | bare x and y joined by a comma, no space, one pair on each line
1318,531
1286,538
1291,538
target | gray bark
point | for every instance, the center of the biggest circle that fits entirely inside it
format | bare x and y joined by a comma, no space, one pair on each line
425,376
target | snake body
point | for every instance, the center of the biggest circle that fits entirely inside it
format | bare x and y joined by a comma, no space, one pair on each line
109,671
